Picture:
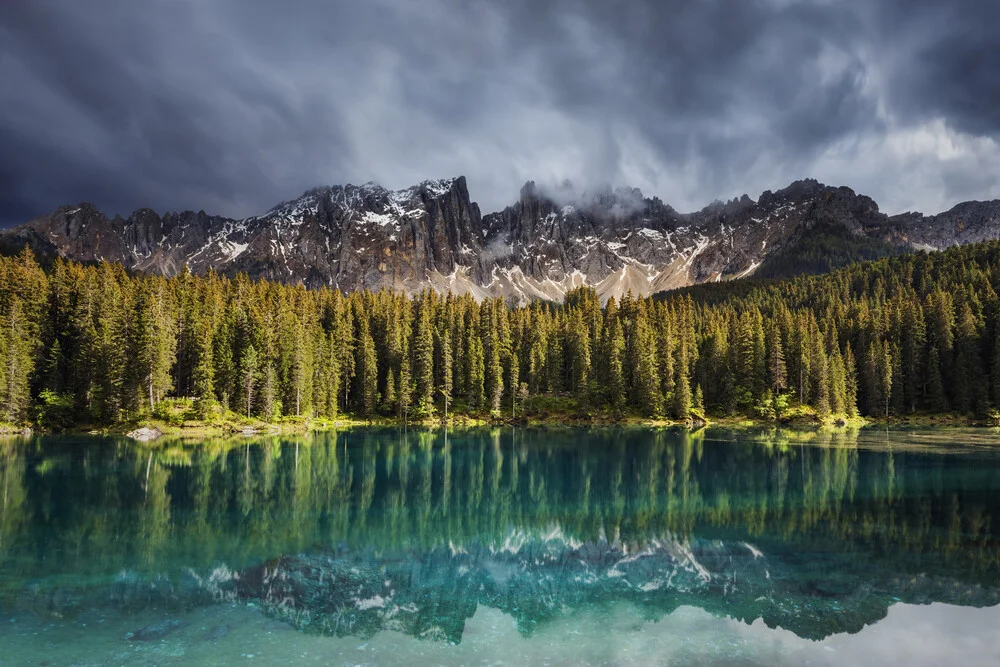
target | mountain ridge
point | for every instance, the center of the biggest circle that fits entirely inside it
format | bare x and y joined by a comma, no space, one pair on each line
549,241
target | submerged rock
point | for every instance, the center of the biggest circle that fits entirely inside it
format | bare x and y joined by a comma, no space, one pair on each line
156,631
144,434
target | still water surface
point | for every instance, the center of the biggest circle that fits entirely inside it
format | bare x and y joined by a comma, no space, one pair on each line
484,547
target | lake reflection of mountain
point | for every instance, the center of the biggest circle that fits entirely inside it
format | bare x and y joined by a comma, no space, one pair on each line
366,530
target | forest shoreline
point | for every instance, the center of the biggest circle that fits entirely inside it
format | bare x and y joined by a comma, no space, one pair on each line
155,429
798,422
148,430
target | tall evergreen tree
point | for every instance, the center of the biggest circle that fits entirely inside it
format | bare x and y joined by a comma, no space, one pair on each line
423,359
367,364
447,383
776,363
476,397
250,373
645,377
614,354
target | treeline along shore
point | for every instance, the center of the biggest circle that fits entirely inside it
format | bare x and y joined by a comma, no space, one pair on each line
93,345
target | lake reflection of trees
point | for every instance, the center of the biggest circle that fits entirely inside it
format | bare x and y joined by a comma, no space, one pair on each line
98,505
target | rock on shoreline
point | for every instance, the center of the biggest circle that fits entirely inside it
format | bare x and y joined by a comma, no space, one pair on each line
144,434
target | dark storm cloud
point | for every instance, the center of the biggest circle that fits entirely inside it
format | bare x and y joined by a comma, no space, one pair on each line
952,63
231,106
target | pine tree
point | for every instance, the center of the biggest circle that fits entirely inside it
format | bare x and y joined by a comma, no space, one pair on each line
666,349
682,396
750,362
269,403
492,356
423,360
203,372
111,328
447,384
878,370
17,363
578,339
645,378
838,381
389,400
301,368
555,370
819,381
940,313
776,363
995,365
913,333
367,364
850,382
822,374
934,388
249,371
886,360
615,351
152,348
968,361
404,393
476,394
538,346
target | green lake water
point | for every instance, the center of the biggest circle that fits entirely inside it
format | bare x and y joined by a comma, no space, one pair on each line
504,546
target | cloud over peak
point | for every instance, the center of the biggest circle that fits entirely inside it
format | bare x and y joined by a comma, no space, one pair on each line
231,106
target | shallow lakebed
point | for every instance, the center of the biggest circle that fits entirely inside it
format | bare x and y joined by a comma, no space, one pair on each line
556,546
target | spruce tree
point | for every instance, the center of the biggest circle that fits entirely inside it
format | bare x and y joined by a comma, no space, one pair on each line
776,363
578,339
249,372
476,393
682,390
934,387
17,361
645,377
447,383
404,393
367,364
615,352
269,394
968,361
423,360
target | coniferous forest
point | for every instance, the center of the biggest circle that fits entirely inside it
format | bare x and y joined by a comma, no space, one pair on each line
95,345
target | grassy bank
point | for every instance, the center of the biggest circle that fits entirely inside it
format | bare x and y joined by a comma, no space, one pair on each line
185,417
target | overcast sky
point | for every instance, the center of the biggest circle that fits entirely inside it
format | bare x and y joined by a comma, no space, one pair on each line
234,105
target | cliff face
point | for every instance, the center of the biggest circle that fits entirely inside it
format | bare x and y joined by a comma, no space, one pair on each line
619,241
345,236
968,222
548,242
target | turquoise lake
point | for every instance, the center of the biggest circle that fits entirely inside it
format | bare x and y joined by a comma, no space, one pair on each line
556,546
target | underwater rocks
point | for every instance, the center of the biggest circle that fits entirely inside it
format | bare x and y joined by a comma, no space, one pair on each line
156,631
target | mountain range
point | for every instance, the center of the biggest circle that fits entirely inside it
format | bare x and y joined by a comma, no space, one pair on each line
545,244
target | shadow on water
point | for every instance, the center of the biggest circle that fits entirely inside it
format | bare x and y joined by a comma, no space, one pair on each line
355,532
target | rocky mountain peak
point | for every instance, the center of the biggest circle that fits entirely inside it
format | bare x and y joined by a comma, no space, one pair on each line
529,192
551,240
